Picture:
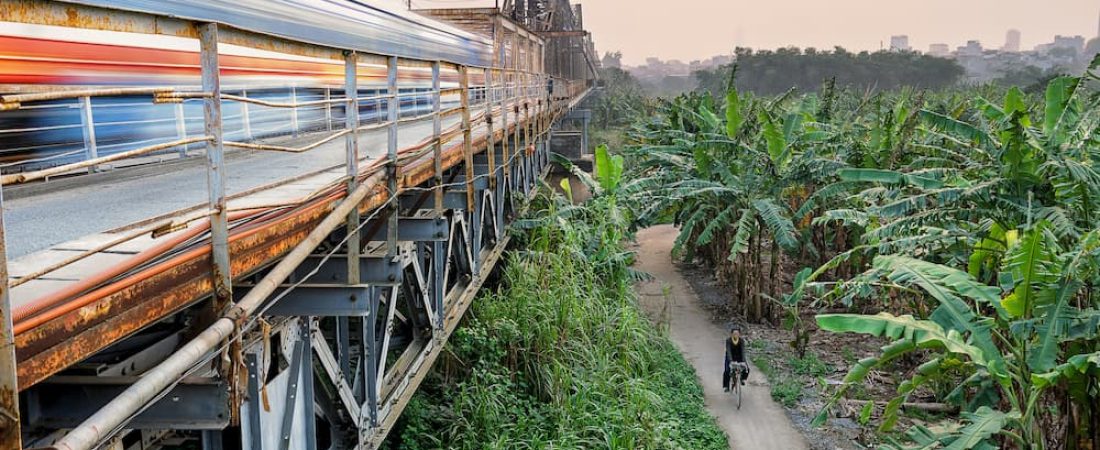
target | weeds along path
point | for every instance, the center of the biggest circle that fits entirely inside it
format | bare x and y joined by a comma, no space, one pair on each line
760,423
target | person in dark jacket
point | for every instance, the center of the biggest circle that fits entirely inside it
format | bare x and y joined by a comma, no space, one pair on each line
735,352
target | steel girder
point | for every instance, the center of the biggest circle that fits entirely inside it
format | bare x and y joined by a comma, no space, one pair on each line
362,349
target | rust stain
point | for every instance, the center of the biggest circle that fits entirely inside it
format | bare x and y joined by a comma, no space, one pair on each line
262,42
9,422
46,13
71,14
47,349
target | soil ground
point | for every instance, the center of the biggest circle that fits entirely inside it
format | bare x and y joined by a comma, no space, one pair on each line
774,345
670,300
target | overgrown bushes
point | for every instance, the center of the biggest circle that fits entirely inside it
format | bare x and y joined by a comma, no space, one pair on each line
560,356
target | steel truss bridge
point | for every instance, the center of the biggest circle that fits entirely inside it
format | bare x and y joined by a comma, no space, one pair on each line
301,306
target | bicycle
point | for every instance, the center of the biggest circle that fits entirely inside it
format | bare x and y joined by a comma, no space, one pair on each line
737,369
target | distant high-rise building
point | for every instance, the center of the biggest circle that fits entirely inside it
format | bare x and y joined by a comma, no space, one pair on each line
900,43
940,50
1072,44
1012,41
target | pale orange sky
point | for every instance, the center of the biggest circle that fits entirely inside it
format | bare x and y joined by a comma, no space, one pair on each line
697,29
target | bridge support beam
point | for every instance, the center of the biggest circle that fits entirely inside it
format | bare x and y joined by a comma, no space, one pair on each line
280,408
87,125
215,163
351,158
10,438
324,300
375,270
65,401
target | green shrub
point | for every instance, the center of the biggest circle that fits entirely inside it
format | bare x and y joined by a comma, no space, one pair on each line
788,391
560,356
810,365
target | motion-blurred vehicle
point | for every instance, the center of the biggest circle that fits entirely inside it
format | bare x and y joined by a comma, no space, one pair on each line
45,57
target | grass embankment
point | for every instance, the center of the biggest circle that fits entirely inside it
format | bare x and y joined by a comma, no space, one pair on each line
560,356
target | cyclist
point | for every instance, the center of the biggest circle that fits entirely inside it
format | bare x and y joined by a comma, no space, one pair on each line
735,352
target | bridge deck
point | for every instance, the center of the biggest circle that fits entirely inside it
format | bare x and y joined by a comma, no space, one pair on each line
122,197
41,229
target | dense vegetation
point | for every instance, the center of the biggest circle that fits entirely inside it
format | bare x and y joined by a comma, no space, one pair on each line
561,356
621,98
967,219
768,72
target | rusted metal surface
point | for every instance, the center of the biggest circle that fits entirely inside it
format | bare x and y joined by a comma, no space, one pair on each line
490,92
16,100
437,142
392,115
488,22
351,159
474,20
72,15
178,283
9,391
264,42
467,135
215,165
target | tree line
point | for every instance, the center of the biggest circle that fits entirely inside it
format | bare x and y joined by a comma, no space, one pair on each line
770,72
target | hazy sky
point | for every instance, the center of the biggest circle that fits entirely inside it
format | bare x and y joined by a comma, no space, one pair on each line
696,29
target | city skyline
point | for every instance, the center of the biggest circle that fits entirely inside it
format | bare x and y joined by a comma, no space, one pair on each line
854,24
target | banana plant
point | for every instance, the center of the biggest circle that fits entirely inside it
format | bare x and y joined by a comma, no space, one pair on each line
739,180
1020,348
609,171
977,168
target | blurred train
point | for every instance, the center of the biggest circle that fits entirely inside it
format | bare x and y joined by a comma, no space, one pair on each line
44,57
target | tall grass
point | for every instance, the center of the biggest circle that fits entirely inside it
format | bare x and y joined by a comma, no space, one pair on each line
560,356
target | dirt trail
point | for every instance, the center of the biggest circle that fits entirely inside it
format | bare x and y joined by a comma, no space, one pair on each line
760,423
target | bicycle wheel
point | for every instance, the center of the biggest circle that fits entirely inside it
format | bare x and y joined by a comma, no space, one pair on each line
737,383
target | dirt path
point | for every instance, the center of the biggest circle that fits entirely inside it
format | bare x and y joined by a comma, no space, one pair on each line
760,423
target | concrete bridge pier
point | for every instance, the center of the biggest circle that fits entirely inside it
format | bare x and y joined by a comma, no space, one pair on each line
569,137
